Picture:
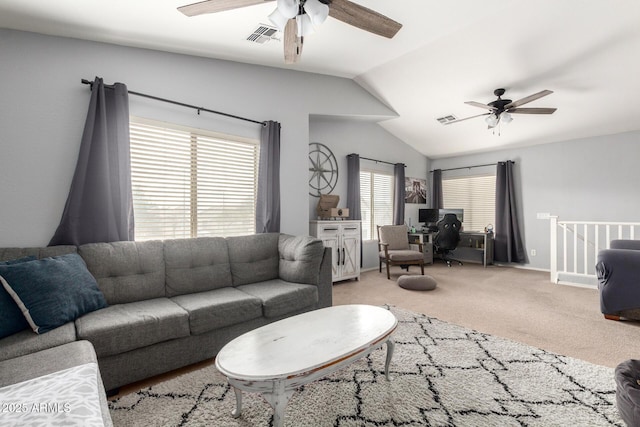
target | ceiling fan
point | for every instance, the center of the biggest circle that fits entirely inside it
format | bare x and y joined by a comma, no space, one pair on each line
501,109
298,18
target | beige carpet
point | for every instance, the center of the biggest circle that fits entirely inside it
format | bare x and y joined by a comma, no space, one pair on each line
518,304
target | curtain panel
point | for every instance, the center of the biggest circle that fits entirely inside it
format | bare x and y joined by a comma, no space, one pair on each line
99,207
437,201
268,198
508,246
399,193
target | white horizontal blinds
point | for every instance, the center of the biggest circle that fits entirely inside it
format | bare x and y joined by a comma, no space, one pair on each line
383,200
476,195
366,202
227,176
190,183
161,182
376,202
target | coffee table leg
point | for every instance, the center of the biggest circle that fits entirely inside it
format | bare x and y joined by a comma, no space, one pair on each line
390,346
236,412
278,400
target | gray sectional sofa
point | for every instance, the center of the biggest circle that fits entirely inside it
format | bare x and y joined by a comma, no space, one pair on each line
176,302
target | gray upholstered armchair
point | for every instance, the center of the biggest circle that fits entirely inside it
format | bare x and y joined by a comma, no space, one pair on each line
394,249
618,271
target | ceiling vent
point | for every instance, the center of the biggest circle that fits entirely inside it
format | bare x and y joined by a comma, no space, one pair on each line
263,34
446,119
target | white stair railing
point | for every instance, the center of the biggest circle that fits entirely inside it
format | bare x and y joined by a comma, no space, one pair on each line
575,246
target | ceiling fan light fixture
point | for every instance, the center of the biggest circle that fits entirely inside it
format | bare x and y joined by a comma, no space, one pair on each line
491,120
288,8
317,11
278,19
305,25
506,117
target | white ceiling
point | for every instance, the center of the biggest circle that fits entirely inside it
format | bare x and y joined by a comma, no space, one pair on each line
447,52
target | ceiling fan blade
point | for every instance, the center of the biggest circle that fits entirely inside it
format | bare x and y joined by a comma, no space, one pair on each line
213,6
532,110
363,18
466,118
481,105
292,43
528,99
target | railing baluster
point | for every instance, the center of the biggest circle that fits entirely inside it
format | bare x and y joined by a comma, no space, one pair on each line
632,234
596,230
620,231
575,248
564,231
586,247
608,242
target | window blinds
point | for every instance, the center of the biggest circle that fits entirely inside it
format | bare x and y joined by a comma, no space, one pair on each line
476,195
376,202
191,183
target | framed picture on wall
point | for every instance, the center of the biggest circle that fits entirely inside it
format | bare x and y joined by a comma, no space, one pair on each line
415,190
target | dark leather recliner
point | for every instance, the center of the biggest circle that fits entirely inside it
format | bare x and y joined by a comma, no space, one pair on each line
447,237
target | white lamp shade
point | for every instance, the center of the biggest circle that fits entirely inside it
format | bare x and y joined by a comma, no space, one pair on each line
278,19
317,11
305,26
506,117
491,120
288,8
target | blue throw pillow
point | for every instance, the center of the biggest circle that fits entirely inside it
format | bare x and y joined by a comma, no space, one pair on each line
11,318
52,291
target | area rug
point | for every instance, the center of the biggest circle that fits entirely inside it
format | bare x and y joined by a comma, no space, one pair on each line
442,375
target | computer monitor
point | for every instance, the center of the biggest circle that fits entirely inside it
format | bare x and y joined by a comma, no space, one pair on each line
428,215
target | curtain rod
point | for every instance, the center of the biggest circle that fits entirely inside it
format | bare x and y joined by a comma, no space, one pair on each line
90,83
469,167
377,161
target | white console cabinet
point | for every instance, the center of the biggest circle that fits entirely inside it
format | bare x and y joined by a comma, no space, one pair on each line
343,237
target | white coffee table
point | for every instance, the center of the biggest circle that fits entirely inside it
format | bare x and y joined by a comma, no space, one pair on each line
277,358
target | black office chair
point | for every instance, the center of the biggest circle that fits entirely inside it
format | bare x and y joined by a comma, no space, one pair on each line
447,237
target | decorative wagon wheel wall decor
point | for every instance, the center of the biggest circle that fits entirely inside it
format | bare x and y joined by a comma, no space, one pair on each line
323,170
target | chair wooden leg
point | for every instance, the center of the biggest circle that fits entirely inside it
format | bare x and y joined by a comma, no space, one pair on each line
388,275
611,317
422,268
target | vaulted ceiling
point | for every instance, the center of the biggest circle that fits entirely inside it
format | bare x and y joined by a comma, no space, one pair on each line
587,53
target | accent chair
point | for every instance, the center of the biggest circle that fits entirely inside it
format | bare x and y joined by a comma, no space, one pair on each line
394,248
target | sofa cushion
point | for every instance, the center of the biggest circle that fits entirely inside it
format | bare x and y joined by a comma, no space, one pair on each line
218,308
127,271
280,298
124,327
300,258
253,258
38,252
52,291
27,342
196,265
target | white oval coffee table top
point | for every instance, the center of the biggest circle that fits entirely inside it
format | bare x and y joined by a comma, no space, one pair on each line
304,343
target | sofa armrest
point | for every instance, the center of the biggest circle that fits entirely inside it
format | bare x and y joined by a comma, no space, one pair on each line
618,271
625,244
304,259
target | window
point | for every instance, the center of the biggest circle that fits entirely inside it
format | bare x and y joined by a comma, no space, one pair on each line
476,195
191,183
376,202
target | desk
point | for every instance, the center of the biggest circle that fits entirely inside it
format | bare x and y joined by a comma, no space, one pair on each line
475,247
427,244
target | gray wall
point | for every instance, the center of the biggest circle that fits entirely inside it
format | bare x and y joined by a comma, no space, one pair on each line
345,136
591,179
43,106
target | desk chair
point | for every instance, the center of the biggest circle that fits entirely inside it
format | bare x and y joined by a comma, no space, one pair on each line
447,237
394,249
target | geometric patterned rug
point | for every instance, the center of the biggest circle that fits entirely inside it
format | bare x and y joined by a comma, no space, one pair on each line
442,375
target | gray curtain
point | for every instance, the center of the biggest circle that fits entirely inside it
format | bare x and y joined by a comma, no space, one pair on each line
268,200
353,186
99,207
436,195
508,246
399,194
